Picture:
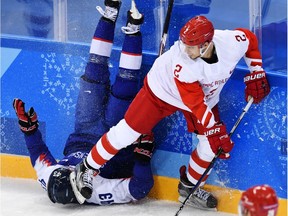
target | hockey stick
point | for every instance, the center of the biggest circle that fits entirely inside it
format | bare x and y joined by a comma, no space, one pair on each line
244,111
166,27
81,199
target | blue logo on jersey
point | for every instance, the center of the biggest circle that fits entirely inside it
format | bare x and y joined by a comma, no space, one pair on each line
43,183
79,154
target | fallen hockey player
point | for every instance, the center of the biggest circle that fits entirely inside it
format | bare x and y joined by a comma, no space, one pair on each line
128,176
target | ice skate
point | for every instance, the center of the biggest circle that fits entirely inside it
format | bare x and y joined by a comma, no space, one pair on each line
134,20
82,178
111,9
201,199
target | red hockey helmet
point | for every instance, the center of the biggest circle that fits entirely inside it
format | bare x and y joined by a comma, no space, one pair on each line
259,201
197,31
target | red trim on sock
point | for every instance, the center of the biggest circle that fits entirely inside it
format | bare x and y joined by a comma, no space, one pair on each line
107,145
132,54
97,157
198,161
102,39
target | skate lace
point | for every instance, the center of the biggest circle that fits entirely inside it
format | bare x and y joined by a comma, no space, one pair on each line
202,194
130,29
109,13
87,178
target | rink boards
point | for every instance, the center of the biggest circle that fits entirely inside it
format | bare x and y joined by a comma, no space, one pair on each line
46,76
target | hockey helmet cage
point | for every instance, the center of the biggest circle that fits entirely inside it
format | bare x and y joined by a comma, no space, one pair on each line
259,201
197,31
59,187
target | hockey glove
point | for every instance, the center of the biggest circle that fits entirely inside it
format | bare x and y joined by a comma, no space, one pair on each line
144,147
218,137
28,122
257,86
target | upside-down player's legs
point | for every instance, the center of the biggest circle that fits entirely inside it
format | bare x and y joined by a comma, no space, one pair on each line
123,91
93,93
126,84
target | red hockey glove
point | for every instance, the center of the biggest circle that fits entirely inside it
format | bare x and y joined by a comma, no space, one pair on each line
28,122
218,137
257,86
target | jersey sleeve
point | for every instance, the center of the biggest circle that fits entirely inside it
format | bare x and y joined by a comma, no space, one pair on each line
252,56
38,149
193,97
42,160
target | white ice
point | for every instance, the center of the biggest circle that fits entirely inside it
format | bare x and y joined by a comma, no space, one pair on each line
25,197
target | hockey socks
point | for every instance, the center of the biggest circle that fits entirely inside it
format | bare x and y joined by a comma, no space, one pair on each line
100,51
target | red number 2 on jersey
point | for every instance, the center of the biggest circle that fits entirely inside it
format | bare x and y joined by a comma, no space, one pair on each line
240,38
177,70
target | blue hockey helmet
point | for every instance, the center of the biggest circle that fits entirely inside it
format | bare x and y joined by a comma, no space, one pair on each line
59,187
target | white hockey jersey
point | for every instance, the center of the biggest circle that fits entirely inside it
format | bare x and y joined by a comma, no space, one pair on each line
195,85
105,191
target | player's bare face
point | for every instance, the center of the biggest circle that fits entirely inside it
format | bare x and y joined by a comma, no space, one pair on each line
192,51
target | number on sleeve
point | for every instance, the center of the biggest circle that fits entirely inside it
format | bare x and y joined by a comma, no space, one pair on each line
240,38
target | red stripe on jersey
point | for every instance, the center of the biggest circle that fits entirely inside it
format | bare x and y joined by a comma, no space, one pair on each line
102,39
193,96
207,120
197,160
200,112
256,63
97,157
43,159
107,145
132,54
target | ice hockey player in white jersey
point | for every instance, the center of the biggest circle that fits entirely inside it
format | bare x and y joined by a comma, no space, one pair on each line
189,78
128,177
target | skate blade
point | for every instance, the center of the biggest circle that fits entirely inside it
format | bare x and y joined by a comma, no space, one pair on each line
77,193
195,204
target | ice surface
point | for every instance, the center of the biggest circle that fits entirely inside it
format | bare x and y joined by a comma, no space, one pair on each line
23,197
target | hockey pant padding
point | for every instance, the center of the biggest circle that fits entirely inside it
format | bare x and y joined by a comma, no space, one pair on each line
142,181
89,117
120,166
117,138
146,110
115,111
90,107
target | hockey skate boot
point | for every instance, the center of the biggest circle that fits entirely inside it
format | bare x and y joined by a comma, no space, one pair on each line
82,178
111,9
144,147
200,199
134,20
